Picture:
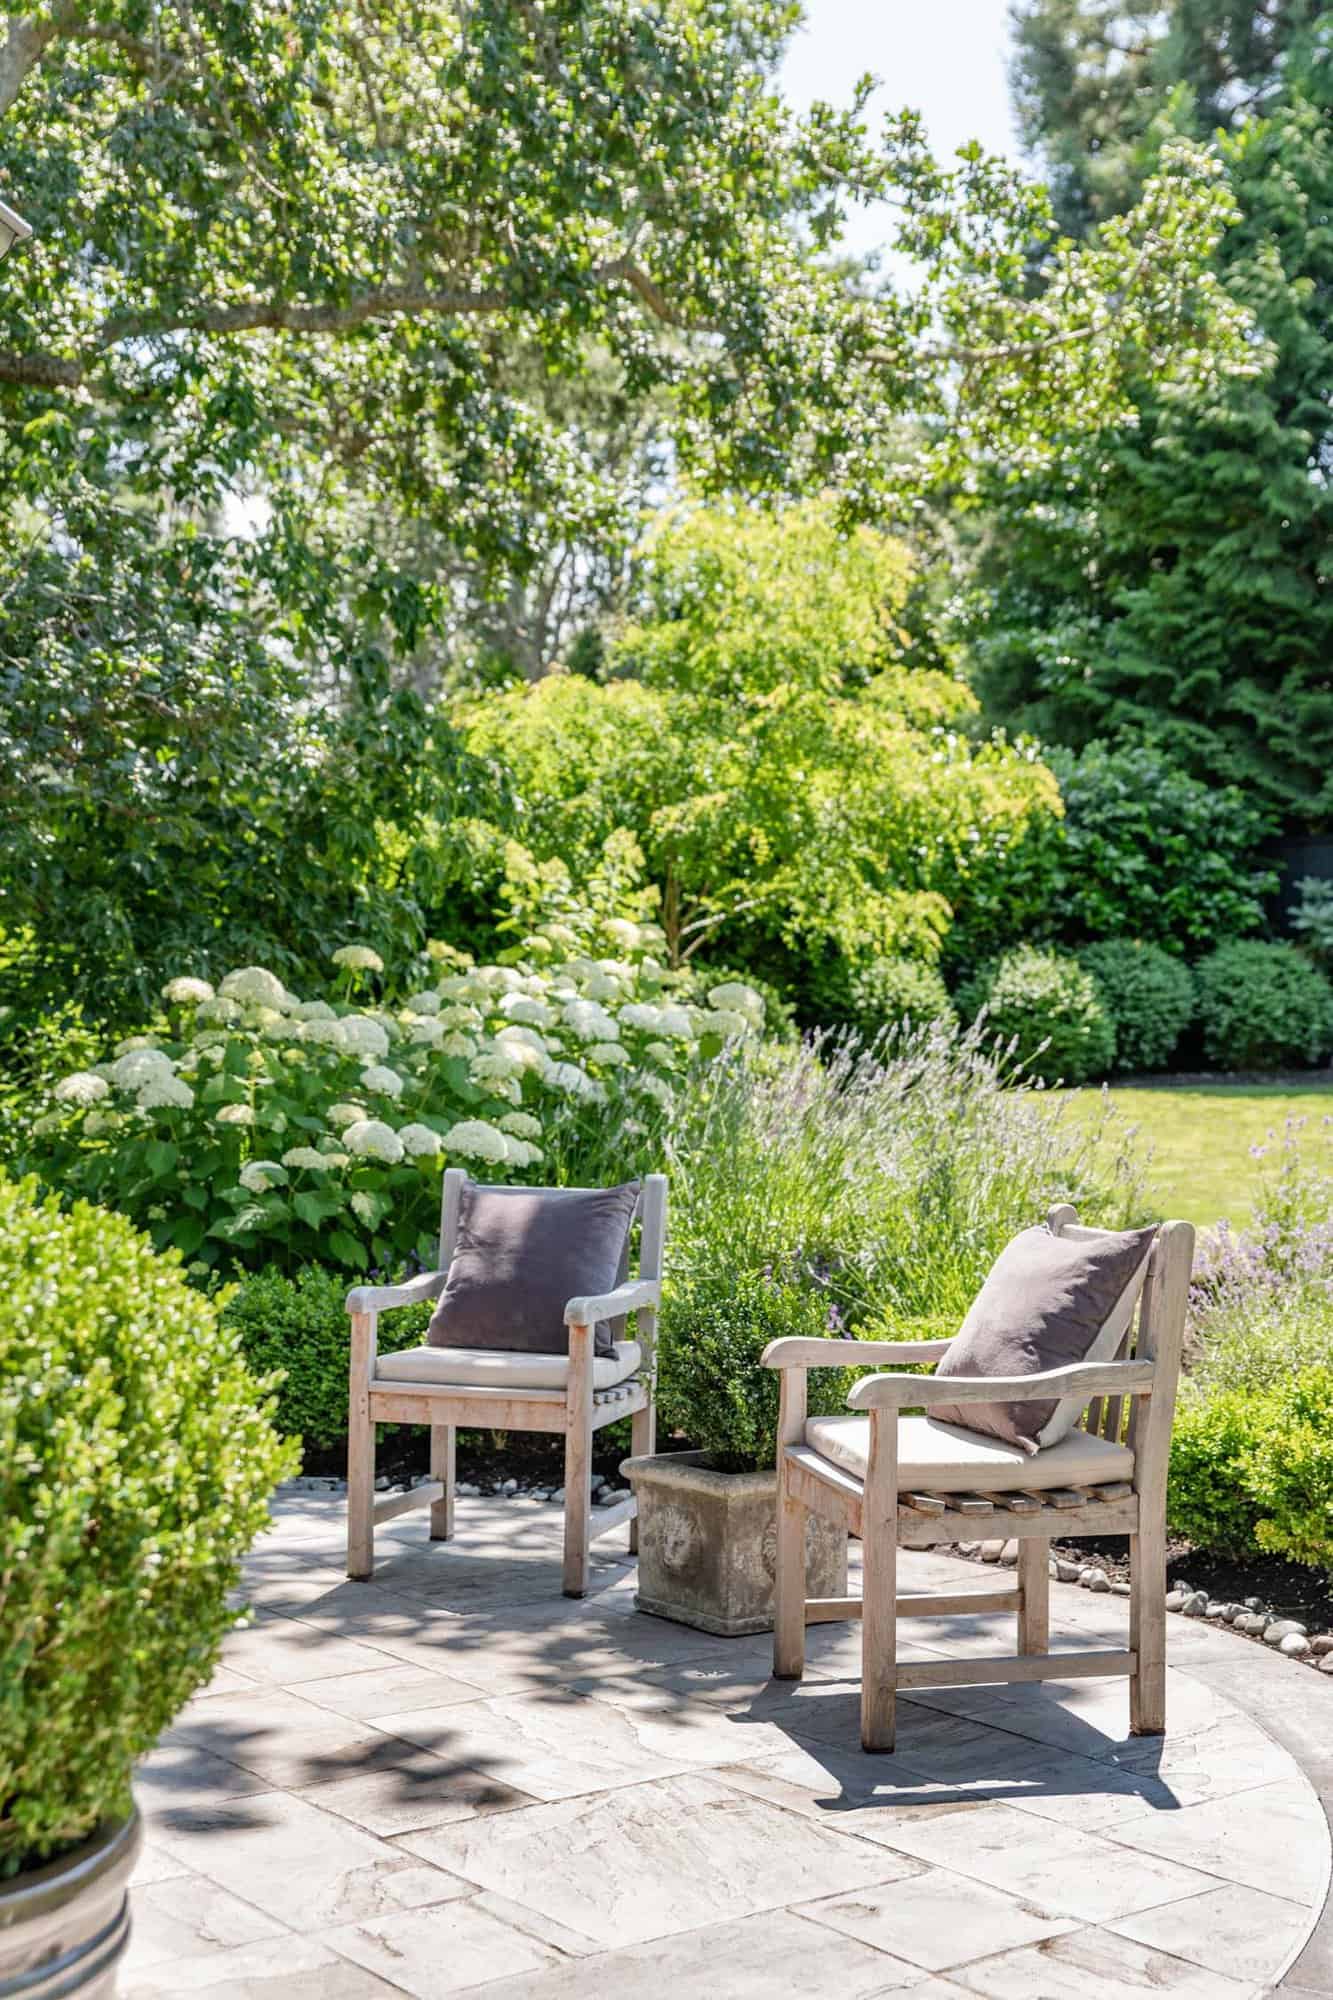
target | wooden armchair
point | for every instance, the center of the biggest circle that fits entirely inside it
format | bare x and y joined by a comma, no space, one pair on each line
501,1390
905,1482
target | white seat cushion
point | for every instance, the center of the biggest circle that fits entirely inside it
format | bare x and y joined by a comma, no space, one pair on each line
498,1368
941,1458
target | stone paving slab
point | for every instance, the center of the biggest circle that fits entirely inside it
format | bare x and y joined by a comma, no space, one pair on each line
453,1780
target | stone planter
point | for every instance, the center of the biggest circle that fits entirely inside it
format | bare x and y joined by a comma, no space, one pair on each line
64,1926
708,1543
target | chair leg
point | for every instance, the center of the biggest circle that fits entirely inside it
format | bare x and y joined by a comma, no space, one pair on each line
643,1441
789,1585
1147,1630
1034,1593
879,1608
578,1507
442,1442
360,1495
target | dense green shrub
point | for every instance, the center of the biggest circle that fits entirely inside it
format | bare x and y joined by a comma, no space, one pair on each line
1263,1006
256,1128
713,1387
300,1325
1149,995
1050,1009
137,1455
1206,1497
1289,1472
898,993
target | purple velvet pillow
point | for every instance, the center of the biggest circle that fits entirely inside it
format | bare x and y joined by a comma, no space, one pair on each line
522,1254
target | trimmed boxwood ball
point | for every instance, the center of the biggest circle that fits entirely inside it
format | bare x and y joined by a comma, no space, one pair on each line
137,1455
1263,1006
1148,994
1033,997
300,1327
898,993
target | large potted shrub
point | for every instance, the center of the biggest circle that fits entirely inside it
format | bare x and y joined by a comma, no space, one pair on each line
136,1460
708,1515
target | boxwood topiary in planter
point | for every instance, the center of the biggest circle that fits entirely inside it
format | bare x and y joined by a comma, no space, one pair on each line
137,1454
1149,995
1044,997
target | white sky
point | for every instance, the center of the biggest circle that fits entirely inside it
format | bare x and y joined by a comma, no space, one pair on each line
944,58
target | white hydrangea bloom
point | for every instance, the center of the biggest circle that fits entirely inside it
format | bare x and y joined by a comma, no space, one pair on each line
660,1052
523,1007
498,978
675,1023
599,984
363,1037
345,1114
590,1022
623,932
187,992
280,1029
164,1092
562,935
574,1082
377,1076
727,1022
224,1010
258,1176
314,1010
426,1032
526,1043
477,1140
654,1086
497,1061
323,1033
234,1114
98,1123
82,1087
422,1003
608,1053
304,1159
332,1160
734,996
264,1018
522,1124
253,983
522,1153
135,1068
358,958
643,1015
461,1017
458,1045
372,1139
461,986
419,1142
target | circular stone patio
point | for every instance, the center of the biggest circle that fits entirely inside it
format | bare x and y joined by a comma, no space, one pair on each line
453,1780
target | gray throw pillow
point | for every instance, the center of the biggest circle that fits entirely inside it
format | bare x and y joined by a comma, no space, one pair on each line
521,1255
1049,1301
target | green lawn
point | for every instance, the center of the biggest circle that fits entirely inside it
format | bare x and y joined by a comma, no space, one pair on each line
1200,1136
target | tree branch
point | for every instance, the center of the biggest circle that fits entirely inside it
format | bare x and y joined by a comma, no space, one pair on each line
52,371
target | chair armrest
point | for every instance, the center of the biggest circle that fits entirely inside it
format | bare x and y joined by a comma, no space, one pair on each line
610,1305
796,1351
1084,1378
383,1298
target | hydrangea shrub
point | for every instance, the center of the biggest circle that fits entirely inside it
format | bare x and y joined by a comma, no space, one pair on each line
252,1127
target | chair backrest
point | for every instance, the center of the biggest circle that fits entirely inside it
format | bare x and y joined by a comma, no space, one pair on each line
1156,1330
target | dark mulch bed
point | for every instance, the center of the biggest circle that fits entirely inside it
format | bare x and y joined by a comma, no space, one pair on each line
1286,1587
